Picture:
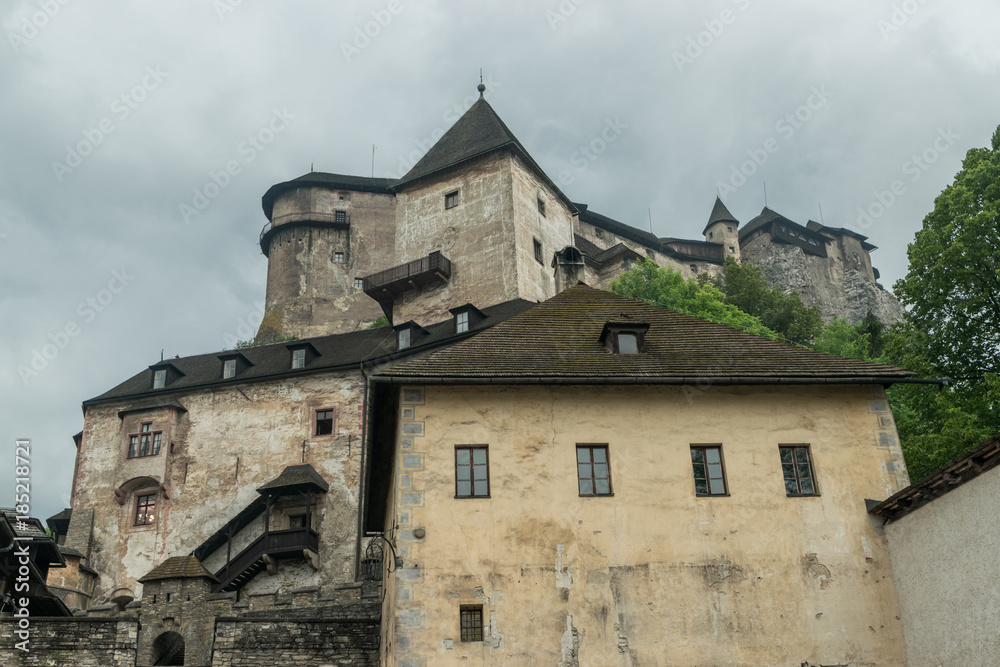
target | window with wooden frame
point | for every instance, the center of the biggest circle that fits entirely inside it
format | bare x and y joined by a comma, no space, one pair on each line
159,378
538,251
472,471
145,509
796,468
593,470
338,257
144,443
451,199
299,358
709,471
324,422
462,322
471,622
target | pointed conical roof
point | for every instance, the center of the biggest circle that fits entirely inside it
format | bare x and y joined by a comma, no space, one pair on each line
719,214
479,132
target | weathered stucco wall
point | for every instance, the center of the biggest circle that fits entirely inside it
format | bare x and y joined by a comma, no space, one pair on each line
943,557
309,292
228,443
841,285
653,575
477,235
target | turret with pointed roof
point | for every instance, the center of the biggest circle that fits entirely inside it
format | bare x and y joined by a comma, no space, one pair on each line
723,228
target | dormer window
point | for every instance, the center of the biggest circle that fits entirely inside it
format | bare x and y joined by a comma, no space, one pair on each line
233,364
164,374
451,199
623,337
228,369
302,355
466,317
408,333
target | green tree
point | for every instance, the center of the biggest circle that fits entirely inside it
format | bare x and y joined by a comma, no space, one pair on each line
666,287
745,287
953,283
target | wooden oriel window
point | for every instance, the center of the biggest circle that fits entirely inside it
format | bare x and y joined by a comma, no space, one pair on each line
472,471
796,468
471,622
144,443
709,473
593,470
145,509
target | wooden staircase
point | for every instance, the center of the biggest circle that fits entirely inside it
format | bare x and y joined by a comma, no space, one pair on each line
271,545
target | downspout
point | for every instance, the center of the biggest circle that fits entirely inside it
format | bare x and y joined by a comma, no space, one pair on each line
362,504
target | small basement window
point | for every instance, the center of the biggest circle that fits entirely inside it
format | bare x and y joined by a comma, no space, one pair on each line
471,620
451,199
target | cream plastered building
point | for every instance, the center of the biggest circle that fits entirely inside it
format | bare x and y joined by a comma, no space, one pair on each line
547,556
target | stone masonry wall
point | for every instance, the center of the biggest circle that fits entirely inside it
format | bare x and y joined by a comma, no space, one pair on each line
81,642
278,642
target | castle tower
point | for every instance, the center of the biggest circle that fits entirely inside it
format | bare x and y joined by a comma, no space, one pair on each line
325,232
723,228
477,221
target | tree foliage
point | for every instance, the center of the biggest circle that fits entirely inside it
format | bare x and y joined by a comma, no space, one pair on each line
953,283
744,286
665,286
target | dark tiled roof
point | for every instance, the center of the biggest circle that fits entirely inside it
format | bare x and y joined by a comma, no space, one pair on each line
618,228
560,338
766,216
336,352
29,527
302,477
719,214
950,476
178,567
478,132
332,181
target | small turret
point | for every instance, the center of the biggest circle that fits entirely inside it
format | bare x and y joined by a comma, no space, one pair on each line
723,228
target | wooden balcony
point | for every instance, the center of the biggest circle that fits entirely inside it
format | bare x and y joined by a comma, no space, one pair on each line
385,285
275,544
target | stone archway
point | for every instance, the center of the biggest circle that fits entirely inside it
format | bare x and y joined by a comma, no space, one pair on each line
168,649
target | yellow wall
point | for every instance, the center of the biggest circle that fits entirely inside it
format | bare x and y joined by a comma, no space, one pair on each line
652,575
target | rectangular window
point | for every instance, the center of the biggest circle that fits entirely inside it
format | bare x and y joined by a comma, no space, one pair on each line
338,257
297,521
694,268
359,283
732,250
340,216
709,474
144,443
228,369
403,339
462,322
299,358
593,470
541,206
471,620
145,509
538,251
729,228
159,378
796,468
324,422
472,472
451,199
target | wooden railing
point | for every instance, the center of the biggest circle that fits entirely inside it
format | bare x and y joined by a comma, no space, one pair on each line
434,262
275,542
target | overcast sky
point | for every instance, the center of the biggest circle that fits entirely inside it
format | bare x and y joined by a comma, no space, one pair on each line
116,115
